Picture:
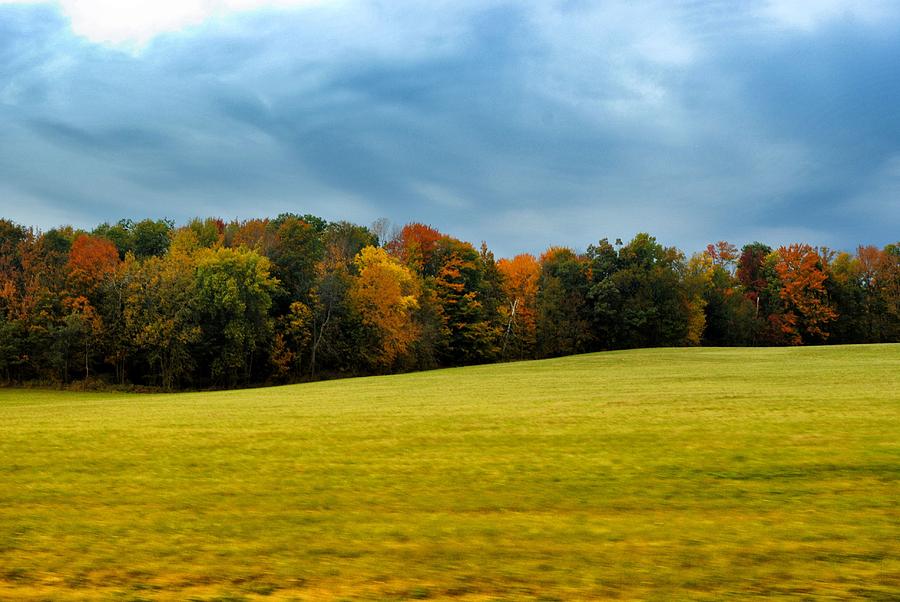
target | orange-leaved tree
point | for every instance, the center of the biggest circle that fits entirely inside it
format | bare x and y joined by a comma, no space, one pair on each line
415,246
254,234
521,275
93,261
807,310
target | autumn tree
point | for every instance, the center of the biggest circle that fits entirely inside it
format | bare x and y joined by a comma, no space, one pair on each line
807,310
293,339
313,260
92,262
416,246
469,334
724,255
728,313
521,276
877,273
14,239
254,234
335,325
859,287
759,284
750,268
384,292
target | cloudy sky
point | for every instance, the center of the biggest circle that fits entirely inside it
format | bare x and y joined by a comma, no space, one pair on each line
519,123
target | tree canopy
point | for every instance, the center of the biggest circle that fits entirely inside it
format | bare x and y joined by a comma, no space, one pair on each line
216,304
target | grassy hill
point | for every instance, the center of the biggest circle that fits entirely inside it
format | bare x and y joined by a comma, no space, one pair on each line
663,474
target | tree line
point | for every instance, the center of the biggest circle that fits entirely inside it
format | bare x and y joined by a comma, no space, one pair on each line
216,304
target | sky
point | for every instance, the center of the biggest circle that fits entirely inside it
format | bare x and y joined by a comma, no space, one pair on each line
523,124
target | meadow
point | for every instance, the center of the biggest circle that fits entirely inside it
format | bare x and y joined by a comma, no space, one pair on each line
654,474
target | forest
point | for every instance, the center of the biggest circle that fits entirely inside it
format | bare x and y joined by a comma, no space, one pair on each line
215,304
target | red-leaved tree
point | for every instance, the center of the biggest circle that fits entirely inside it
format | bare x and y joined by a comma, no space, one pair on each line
807,311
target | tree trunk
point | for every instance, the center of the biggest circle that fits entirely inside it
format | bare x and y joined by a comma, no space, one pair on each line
509,325
312,369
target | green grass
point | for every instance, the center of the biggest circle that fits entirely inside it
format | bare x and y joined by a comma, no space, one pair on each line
663,474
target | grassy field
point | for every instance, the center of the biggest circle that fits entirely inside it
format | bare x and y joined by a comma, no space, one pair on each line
662,474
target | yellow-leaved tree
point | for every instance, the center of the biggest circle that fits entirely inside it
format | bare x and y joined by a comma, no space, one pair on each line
385,294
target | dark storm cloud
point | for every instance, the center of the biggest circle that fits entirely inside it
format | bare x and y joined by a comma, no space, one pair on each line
522,124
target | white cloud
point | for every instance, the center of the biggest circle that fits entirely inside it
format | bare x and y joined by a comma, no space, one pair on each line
614,62
133,23
806,15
